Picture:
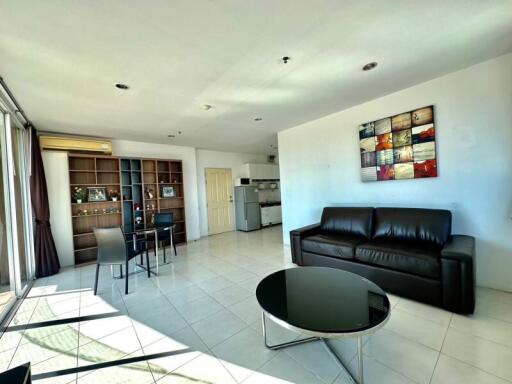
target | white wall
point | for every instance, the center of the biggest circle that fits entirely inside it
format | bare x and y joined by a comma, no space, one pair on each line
57,181
125,148
214,159
320,163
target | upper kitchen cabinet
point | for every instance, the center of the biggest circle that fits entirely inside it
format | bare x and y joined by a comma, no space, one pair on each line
263,171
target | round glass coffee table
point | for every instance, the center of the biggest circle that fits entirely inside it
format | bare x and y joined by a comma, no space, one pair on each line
323,303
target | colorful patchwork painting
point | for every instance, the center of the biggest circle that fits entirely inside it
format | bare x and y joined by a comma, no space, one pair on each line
399,147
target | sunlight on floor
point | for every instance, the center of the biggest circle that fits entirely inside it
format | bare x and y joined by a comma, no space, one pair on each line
199,322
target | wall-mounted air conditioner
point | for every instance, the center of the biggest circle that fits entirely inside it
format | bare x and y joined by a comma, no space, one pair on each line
74,144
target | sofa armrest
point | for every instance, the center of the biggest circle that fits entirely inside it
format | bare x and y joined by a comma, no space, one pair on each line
458,274
296,236
459,247
308,230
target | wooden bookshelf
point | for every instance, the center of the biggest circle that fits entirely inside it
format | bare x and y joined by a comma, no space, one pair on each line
93,171
139,184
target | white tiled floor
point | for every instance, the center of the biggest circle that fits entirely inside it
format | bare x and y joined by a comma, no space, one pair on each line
199,322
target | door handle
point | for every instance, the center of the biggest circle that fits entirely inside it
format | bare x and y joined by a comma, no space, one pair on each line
230,199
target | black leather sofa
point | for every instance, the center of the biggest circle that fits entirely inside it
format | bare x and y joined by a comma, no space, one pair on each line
409,252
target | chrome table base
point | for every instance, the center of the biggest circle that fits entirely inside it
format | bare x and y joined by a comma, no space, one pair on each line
330,348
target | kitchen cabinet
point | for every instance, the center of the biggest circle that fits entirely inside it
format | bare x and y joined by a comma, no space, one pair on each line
270,215
263,171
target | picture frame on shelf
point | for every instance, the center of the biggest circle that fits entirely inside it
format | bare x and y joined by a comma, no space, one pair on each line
97,194
168,191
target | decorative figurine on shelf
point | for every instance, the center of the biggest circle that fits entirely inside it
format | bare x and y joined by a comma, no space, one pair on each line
138,220
152,218
113,195
153,207
126,197
86,212
136,206
95,211
79,194
148,207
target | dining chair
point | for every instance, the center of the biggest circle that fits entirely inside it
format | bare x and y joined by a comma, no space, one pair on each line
113,250
163,220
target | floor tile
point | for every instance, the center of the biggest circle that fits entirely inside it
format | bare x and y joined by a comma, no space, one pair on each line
453,371
315,357
99,328
437,315
486,355
215,284
5,358
183,295
202,369
198,309
495,309
218,327
186,345
65,360
285,368
112,347
133,373
374,373
417,329
231,295
485,327
243,353
406,357
248,310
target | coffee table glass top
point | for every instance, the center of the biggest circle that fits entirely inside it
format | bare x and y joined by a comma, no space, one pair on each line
323,300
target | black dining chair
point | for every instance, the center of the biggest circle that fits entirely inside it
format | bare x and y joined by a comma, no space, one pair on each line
114,250
163,220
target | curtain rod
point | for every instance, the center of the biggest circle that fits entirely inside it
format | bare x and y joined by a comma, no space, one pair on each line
16,109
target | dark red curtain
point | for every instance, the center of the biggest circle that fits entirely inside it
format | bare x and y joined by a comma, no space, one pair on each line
47,261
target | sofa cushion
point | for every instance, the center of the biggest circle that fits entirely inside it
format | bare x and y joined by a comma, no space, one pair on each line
427,226
401,256
331,245
347,221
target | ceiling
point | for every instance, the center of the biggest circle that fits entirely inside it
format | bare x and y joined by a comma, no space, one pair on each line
61,59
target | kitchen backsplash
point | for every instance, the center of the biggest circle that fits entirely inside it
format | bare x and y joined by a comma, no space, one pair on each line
269,195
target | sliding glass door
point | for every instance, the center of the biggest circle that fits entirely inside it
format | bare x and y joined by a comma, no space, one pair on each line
7,288
16,239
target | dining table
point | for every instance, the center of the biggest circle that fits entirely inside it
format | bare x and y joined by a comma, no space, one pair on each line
142,234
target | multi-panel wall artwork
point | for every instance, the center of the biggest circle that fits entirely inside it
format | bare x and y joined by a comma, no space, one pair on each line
399,147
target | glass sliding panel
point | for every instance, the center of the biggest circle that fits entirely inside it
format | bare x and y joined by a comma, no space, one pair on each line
22,252
7,287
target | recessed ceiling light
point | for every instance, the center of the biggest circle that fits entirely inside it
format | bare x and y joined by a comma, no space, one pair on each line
207,107
370,66
258,118
122,86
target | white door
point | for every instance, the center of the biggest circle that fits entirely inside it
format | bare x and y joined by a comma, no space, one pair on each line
219,199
